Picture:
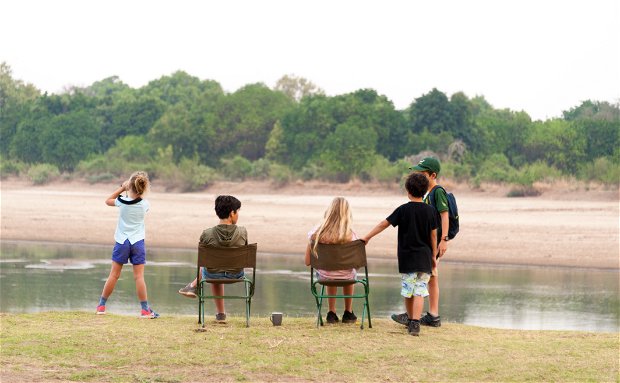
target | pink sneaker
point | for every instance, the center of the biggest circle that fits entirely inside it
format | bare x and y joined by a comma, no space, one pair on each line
101,310
149,314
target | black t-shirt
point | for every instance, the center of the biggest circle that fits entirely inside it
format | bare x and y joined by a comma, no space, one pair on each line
415,221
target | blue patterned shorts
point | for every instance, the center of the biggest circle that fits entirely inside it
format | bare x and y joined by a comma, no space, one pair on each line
414,284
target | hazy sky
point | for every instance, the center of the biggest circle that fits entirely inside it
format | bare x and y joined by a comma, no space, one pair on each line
541,56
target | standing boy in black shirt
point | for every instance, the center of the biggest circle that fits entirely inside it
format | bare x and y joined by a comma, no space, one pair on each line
417,243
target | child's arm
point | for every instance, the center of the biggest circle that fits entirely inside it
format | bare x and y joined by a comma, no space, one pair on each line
110,200
376,230
434,246
445,225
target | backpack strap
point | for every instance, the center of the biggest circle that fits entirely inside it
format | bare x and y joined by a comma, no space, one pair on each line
431,194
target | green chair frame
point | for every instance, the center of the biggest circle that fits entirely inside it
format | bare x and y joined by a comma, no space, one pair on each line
242,257
333,257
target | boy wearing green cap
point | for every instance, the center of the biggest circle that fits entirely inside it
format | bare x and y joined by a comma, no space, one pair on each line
431,167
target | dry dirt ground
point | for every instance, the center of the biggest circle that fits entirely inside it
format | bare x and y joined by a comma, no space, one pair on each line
562,227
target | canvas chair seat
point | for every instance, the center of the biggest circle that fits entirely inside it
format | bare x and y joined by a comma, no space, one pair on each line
243,257
332,257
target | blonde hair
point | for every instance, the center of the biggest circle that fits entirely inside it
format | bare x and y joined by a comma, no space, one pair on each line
139,182
336,225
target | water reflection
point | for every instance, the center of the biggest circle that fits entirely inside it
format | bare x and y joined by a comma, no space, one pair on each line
41,277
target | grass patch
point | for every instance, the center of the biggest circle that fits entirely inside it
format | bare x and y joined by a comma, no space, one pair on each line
77,346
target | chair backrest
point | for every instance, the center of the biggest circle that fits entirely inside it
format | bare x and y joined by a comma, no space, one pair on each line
218,257
351,255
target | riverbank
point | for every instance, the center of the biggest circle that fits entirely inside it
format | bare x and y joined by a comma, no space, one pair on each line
75,346
562,227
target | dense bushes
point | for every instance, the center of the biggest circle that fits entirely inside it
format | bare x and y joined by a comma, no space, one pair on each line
188,133
43,173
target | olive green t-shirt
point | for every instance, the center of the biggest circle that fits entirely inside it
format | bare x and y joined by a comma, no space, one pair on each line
225,236
441,205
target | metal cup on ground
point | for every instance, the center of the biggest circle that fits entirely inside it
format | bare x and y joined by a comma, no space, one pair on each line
276,319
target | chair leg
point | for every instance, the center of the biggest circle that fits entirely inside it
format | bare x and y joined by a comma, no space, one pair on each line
248,302
200,304
199,308
368,309
363,315
319,305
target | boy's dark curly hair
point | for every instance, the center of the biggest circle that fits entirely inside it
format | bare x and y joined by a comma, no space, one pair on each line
417,184
225,204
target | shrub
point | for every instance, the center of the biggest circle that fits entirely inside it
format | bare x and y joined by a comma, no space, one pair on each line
101,165
260,169
236,168
456,171
41,174
11,168
280,174
523,191
496,168
603,169
384,171
311,171
100,177
194,176
162,167
335,176
538,171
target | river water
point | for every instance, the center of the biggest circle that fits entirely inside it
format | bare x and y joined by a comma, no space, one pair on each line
43,277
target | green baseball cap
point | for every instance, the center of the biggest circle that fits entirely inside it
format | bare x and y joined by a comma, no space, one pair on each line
428,164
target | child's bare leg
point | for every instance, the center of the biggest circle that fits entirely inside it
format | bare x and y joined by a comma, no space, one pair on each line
433,295
138,276
348,302
418,306
409,307
110,283
332,290
218,289
194,283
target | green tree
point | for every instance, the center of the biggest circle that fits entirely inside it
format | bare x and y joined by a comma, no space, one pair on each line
432,112
129,117
296,87
180,87
305,128
557,142
26,144
70,138
376,112
177,128
108,87
244,120
503,131
463,111
16,100
274,148
600,123
349,150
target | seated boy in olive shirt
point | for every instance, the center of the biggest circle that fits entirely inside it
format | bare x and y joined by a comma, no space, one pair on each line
226,234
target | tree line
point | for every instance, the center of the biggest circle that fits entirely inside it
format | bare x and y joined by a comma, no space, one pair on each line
189,132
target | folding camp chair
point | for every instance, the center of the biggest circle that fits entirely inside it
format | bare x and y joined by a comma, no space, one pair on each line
340,257
226,258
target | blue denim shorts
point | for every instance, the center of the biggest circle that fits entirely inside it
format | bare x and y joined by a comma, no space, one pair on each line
124,252
224,275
